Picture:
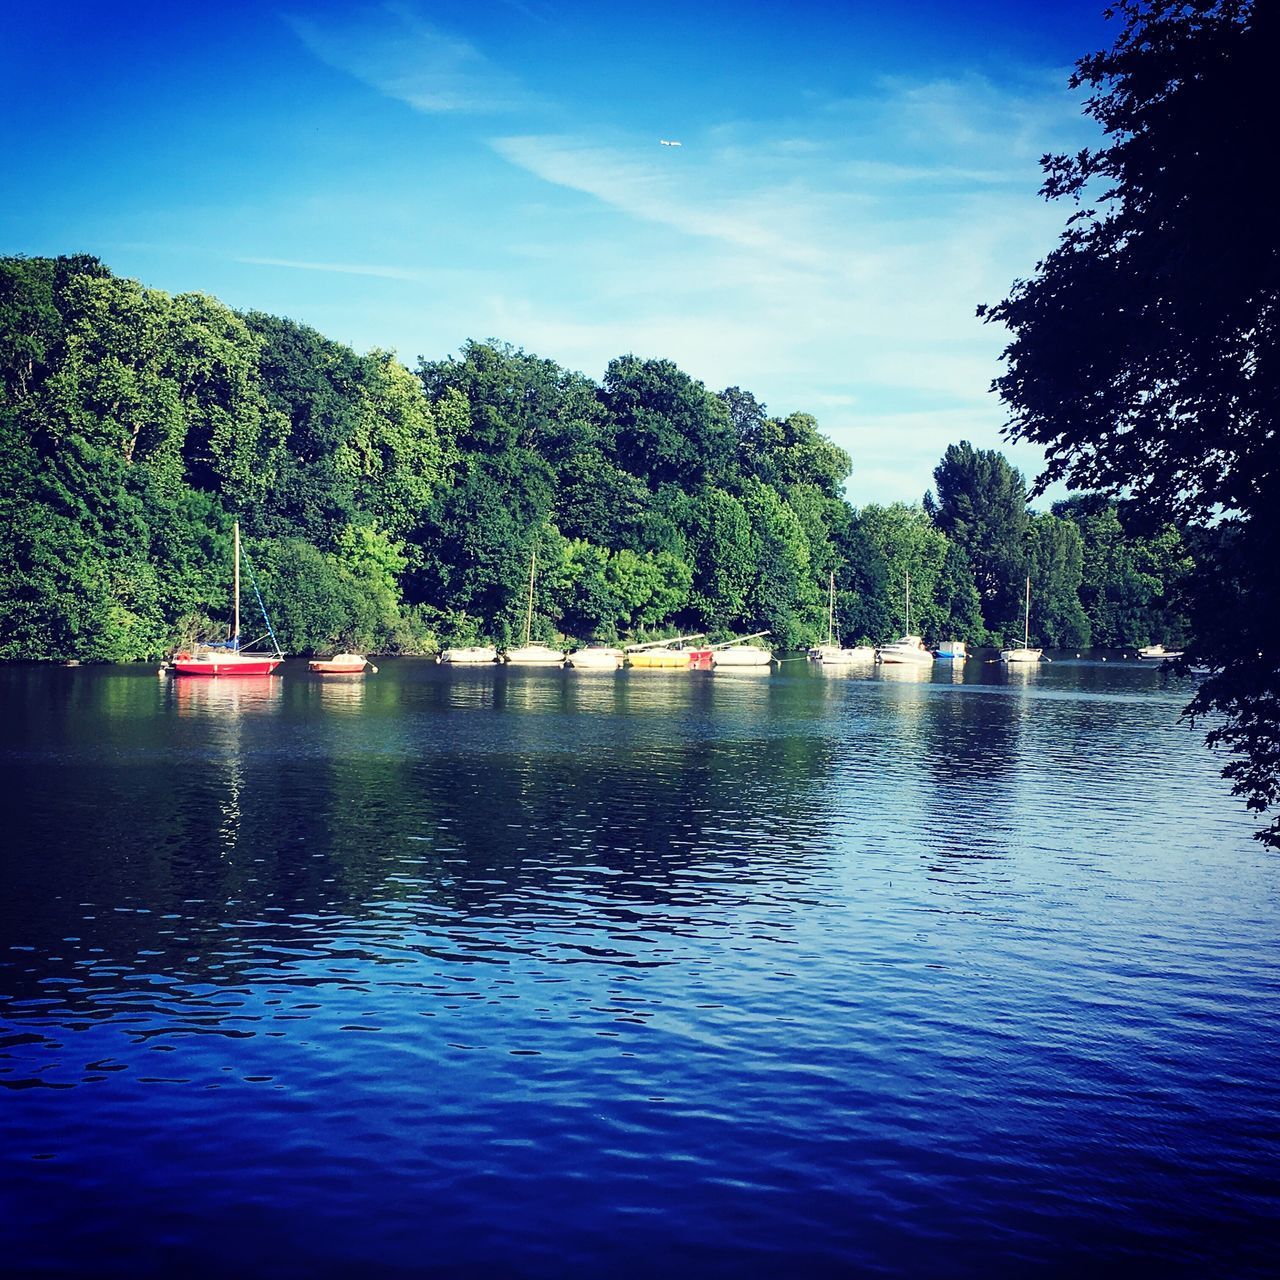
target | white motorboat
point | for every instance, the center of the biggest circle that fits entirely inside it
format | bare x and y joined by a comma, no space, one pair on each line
1158,653
596,658
1026,653
470,655
910,650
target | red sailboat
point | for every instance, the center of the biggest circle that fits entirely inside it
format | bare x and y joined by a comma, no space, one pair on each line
225,658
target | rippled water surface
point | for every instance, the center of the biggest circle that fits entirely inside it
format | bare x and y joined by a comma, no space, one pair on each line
660,974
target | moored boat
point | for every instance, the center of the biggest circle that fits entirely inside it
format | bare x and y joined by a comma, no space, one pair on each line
470,655
665,655
1158,653
225,657
664,659
1026,653
528,654
534,655
834,654
596,658
341,664
743,655
956,650
910,650
739,653
208,661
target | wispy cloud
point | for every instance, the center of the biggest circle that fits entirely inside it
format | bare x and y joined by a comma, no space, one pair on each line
338,268
833,263
655,192
394,50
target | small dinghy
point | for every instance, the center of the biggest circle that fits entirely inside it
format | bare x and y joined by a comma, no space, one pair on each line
341,664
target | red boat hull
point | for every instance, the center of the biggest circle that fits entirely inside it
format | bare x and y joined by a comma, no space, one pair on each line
223,667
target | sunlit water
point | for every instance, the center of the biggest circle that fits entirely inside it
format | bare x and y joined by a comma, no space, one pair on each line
660,974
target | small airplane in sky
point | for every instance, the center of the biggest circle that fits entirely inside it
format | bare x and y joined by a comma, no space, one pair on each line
665,143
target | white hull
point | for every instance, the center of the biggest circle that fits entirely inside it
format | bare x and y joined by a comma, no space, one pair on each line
475,655
907,652
834,656
596,659
1158,653
1020,655
535,655
742,655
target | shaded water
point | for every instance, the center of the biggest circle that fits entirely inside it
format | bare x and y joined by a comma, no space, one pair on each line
562,973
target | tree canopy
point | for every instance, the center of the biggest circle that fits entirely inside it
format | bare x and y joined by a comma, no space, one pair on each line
1143,351
393,511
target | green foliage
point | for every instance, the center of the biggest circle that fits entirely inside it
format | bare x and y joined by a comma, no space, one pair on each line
1142,353
668,428
791,451
782,596
1056,568
907,545
388,511
717,531
958,602
1130,585
981,505
311,603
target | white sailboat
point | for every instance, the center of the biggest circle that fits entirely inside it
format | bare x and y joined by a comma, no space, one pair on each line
596,658
737,653
469,655
910,650
1025,654
831,653
533,655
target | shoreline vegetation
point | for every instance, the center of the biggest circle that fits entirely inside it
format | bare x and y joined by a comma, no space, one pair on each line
391,511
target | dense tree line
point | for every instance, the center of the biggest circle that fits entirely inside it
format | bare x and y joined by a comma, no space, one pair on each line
394,510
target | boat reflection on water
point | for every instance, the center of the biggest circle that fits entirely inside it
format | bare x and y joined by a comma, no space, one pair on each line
1019,673
239,696
904,673
342,692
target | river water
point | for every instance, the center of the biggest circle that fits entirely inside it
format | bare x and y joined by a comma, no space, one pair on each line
483,972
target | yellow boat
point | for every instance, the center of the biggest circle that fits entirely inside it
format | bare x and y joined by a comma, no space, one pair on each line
669,658
659,653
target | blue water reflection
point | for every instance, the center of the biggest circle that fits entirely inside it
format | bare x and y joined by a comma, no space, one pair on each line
545,973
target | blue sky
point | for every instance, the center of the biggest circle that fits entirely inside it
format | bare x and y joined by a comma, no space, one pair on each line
853,180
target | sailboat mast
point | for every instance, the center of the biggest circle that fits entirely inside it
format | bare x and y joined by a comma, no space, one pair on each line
235,590
1026,618
908,573
528,617
831,612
